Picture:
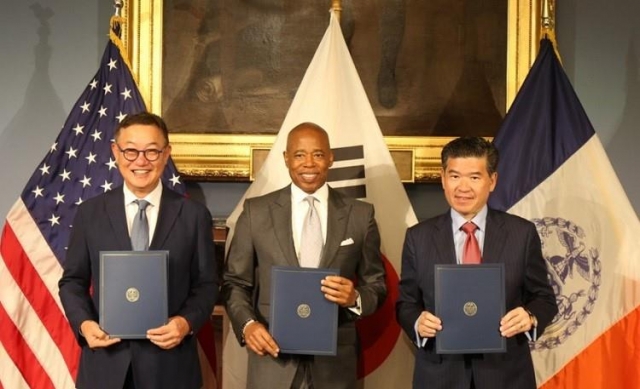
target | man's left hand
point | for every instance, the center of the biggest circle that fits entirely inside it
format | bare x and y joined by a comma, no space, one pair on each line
340,290
171,334
514,322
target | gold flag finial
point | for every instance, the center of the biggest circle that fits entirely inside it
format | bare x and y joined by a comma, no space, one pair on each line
118,4
548,23
548,15
336,6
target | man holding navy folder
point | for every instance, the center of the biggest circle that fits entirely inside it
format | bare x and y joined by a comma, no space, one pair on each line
278,229
168,357
472,233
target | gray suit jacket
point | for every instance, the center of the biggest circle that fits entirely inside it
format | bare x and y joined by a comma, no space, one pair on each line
262,239
510,240
183,228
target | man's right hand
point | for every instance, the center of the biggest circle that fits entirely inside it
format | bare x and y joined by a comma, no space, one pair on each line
95,337
259,340
428,324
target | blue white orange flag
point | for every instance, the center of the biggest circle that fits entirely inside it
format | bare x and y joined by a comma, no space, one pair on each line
555,172
37,347
331,95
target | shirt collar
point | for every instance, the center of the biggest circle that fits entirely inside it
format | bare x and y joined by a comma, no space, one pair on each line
298,195
479,220
153,197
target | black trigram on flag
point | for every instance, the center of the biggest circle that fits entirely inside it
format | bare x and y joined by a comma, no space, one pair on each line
347,174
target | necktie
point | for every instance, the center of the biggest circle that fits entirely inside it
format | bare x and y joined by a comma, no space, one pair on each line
311,241
471,253
140,228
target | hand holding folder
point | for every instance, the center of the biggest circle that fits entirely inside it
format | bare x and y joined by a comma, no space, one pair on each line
302,320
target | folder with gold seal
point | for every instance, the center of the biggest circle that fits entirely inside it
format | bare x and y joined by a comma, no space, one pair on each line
470,301
302,320
133,292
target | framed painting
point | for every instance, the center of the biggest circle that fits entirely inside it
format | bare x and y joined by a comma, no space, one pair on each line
223,73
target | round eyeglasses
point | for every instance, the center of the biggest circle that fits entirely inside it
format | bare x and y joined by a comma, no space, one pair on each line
132,154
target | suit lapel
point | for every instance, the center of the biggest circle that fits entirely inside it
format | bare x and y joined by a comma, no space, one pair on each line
337,217
281,217
494,238
115,211
170,205
444,239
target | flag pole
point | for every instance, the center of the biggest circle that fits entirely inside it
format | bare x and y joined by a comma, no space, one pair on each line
336,6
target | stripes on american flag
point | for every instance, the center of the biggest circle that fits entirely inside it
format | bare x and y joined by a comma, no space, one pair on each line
37,347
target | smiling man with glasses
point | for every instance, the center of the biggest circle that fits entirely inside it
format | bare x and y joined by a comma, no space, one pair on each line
168,358
141,149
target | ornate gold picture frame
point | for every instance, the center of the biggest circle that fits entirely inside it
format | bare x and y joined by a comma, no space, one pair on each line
234,157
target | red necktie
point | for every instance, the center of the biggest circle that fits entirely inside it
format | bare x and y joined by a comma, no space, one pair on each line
471,253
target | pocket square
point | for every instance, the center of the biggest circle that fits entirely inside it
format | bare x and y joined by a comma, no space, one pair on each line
346,242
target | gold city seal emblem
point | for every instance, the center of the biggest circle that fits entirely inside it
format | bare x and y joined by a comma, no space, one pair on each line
470,308
132,295
304,311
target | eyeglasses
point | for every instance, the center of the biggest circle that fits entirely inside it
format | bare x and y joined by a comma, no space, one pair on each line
132,154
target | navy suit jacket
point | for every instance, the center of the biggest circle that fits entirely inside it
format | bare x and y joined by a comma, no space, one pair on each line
509,239
184,229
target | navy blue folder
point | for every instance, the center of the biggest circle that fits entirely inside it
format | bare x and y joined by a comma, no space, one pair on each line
133,292
470,302
302,321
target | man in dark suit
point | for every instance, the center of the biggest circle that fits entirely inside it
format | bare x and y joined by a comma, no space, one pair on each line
468,177
269,233
168,358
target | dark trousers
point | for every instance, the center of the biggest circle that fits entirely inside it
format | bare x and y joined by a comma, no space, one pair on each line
302,379
128,381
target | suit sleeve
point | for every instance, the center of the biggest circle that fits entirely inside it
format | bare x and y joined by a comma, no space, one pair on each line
371,273
203,292
539,297
409,305
75,284
239,277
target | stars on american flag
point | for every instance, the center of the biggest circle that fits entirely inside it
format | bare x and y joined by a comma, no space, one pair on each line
112,64
65,175
111,163
59,198
126,94
78,129
175,180
44,169
106,186
54,220
80,165
91,158
71,152
96,135
86,181
37,191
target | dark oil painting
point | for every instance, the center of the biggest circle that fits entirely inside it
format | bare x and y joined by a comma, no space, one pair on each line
429,67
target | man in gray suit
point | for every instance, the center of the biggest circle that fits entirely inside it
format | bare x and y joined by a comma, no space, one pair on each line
269,233
469,175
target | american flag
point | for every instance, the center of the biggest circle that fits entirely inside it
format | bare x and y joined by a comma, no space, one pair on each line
37,347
